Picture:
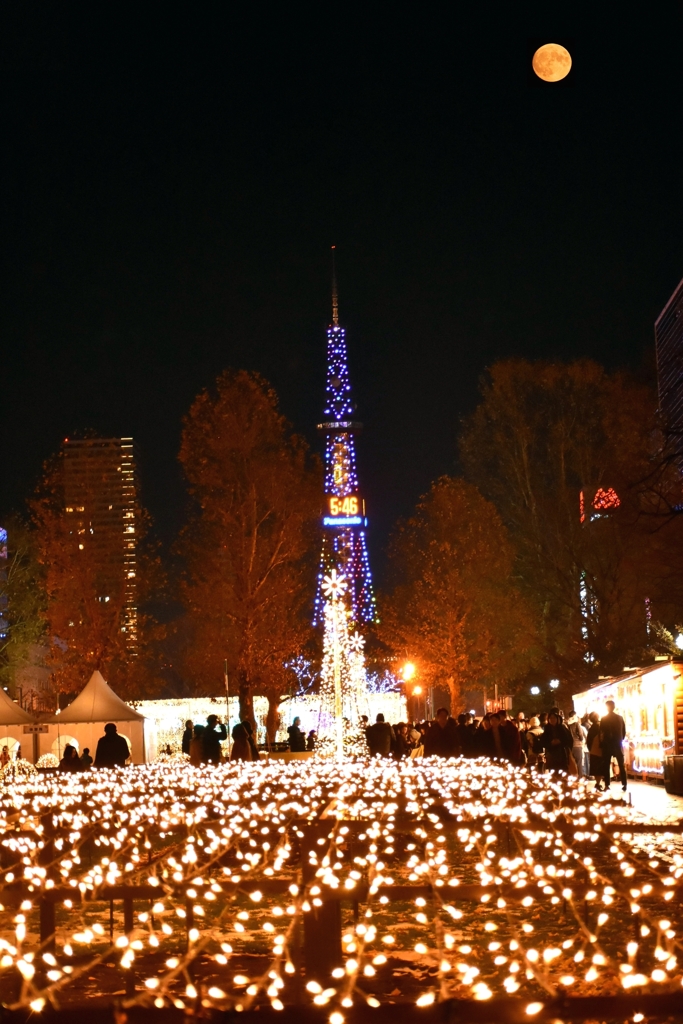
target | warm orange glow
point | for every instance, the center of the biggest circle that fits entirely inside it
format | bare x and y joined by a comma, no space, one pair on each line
408,671
552,62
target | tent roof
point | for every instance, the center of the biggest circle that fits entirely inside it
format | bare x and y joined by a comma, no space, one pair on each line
11,713
97,702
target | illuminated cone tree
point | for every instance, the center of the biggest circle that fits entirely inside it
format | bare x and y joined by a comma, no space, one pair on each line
343,697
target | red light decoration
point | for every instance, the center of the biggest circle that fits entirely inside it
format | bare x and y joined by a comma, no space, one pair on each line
605,499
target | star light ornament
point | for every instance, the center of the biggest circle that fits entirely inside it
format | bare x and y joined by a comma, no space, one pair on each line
343,685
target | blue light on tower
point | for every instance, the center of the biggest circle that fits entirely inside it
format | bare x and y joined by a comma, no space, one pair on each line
345,522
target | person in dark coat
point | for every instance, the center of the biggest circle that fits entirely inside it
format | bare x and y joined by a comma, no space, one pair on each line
255,756
212,736
442,736
484,743
557,743
380,737
596,760
112,749
401,742
196,750
187,737
86,759
297,740
311,740
241,749
612,736
466,735
510,738
70,761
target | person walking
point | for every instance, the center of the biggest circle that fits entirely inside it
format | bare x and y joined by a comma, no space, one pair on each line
187,737
596,760
212,737
557,743
112,749
86,759
612,736
380,737
241,748
297,739
578,734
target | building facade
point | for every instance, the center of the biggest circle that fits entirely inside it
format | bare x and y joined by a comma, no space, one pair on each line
100,492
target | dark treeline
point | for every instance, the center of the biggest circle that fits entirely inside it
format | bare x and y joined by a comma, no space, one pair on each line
555,555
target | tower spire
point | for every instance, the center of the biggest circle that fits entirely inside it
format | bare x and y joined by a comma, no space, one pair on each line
344,547
335,298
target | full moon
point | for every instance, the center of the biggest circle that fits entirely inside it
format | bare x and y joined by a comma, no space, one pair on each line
552,62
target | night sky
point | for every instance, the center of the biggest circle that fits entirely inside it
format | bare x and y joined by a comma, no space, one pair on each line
173,177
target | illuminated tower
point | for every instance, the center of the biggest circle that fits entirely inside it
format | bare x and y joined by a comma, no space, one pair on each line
345,523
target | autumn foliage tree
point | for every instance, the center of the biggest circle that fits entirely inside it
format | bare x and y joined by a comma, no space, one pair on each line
250,544
563,451
22,601
455,607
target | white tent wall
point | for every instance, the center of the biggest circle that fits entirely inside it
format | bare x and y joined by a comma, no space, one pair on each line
84,719
87,734
11,734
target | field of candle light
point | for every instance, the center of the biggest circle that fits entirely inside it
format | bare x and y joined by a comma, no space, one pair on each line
330,884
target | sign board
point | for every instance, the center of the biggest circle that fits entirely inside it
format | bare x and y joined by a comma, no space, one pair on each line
499,704
35,728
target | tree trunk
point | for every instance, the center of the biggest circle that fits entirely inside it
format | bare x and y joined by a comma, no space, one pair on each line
246,698
454,694
273,715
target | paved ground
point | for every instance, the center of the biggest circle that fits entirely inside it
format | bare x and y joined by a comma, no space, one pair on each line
652,800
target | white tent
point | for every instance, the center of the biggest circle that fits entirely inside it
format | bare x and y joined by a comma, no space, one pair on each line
82,723
13,718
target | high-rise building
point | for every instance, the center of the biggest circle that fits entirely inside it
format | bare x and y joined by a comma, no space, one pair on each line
345,522
669,349
100,502
4,627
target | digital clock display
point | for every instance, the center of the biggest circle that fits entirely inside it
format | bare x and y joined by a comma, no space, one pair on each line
349,506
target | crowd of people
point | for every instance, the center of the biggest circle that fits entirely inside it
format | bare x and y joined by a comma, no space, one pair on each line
546,742
585,748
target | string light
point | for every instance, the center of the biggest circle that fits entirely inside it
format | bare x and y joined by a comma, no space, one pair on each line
523,884
344,545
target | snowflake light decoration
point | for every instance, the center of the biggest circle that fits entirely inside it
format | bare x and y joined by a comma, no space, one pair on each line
356,642
334,585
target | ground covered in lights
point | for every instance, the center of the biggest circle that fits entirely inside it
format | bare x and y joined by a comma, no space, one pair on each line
465,878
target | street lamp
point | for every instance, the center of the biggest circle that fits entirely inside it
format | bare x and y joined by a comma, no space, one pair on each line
679,641
554,683
408,671
535,690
